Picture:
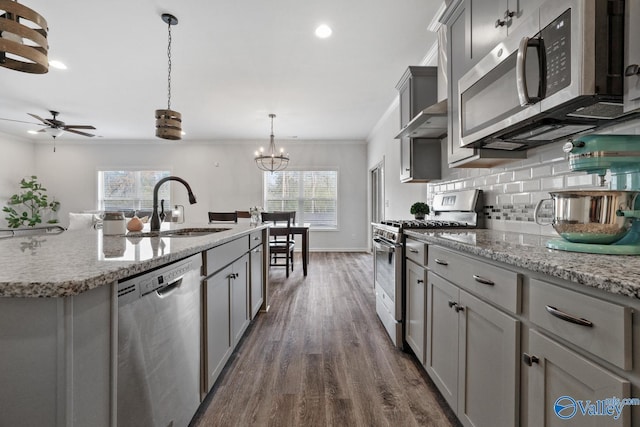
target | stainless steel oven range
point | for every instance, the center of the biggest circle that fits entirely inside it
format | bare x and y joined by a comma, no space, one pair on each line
449,210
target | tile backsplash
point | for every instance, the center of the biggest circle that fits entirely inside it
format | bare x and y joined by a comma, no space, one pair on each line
512,191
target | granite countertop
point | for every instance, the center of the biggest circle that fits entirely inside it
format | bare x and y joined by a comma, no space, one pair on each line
617,274
72,262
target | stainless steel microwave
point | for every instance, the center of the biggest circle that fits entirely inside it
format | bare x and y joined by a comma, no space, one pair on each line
559,73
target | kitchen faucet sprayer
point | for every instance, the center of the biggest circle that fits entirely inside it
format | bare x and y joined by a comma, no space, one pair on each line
155,218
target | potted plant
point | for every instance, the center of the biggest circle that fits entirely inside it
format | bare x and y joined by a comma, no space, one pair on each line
28,207
419,210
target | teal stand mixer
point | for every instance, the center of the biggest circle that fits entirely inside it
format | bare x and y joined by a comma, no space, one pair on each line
600,221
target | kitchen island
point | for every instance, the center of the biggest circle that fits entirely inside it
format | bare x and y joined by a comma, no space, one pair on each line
507,328
59,313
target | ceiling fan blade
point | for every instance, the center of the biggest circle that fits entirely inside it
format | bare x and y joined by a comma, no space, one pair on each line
41,119
78,126
79,133
22,121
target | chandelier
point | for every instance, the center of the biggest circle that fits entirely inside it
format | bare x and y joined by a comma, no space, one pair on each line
29,57
168,122
271,161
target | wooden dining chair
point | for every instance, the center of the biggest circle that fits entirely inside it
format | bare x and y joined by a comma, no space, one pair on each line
281,243
223,216
243,214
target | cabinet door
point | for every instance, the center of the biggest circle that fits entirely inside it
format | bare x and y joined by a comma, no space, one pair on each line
416,308
521,10
405,159
239,298
563,381
217,324
255,280
632,82
442,337
483,31
459,63
488,365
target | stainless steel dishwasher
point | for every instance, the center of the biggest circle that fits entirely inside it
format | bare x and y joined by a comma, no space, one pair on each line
159,323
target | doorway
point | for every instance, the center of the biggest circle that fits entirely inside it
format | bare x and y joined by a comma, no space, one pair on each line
377,192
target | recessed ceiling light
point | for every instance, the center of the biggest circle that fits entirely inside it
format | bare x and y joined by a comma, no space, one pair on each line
32,132
58,64
323,31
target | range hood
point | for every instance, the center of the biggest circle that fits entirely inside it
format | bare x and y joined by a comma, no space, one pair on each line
429,123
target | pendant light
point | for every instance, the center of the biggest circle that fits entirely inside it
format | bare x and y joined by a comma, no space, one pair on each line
29,57
169,122
271,161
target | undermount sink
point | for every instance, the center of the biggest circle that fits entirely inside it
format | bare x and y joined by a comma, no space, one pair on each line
181,232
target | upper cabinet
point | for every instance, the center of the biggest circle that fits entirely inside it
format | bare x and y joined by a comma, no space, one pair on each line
419,157
492,20
632,59
471,32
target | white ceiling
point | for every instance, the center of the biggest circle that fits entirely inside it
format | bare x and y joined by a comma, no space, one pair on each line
234,62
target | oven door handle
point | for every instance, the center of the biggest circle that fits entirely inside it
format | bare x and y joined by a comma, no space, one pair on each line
521,71
382,246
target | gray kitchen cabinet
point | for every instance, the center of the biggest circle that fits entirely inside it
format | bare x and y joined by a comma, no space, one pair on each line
490,21
468,342
416,300
240,316
632,56
559,376
256,264
217,325
469,37
442,338
471,336
419,158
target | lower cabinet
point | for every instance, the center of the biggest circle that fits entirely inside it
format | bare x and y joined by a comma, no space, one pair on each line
217,325
472,355
416,298
564,388
239,298
227,306
256,297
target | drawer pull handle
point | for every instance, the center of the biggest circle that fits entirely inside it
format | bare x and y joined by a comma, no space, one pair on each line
568,317
458,308
452,304
529,360
413,251
441,262
420,281
482,280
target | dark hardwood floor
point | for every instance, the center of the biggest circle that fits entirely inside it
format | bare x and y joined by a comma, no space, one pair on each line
320,357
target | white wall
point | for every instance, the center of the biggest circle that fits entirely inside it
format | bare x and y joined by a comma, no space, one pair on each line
382,145
222,175
16,162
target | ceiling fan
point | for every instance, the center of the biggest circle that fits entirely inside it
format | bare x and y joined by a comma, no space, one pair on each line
55,127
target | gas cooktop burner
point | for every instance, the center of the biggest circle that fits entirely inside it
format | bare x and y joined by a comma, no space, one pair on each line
424,223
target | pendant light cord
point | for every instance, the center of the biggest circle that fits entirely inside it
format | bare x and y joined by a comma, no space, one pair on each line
169,73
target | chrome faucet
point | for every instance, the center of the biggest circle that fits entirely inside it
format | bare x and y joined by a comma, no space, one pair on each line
155,218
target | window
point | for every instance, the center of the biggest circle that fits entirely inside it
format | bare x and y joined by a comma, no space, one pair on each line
312,194
130,190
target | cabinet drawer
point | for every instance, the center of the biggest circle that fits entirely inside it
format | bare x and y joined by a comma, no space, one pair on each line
416,251
599,327
255,239
495,284
223,255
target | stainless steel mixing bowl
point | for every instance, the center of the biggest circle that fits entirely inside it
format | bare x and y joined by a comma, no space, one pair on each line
591,216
